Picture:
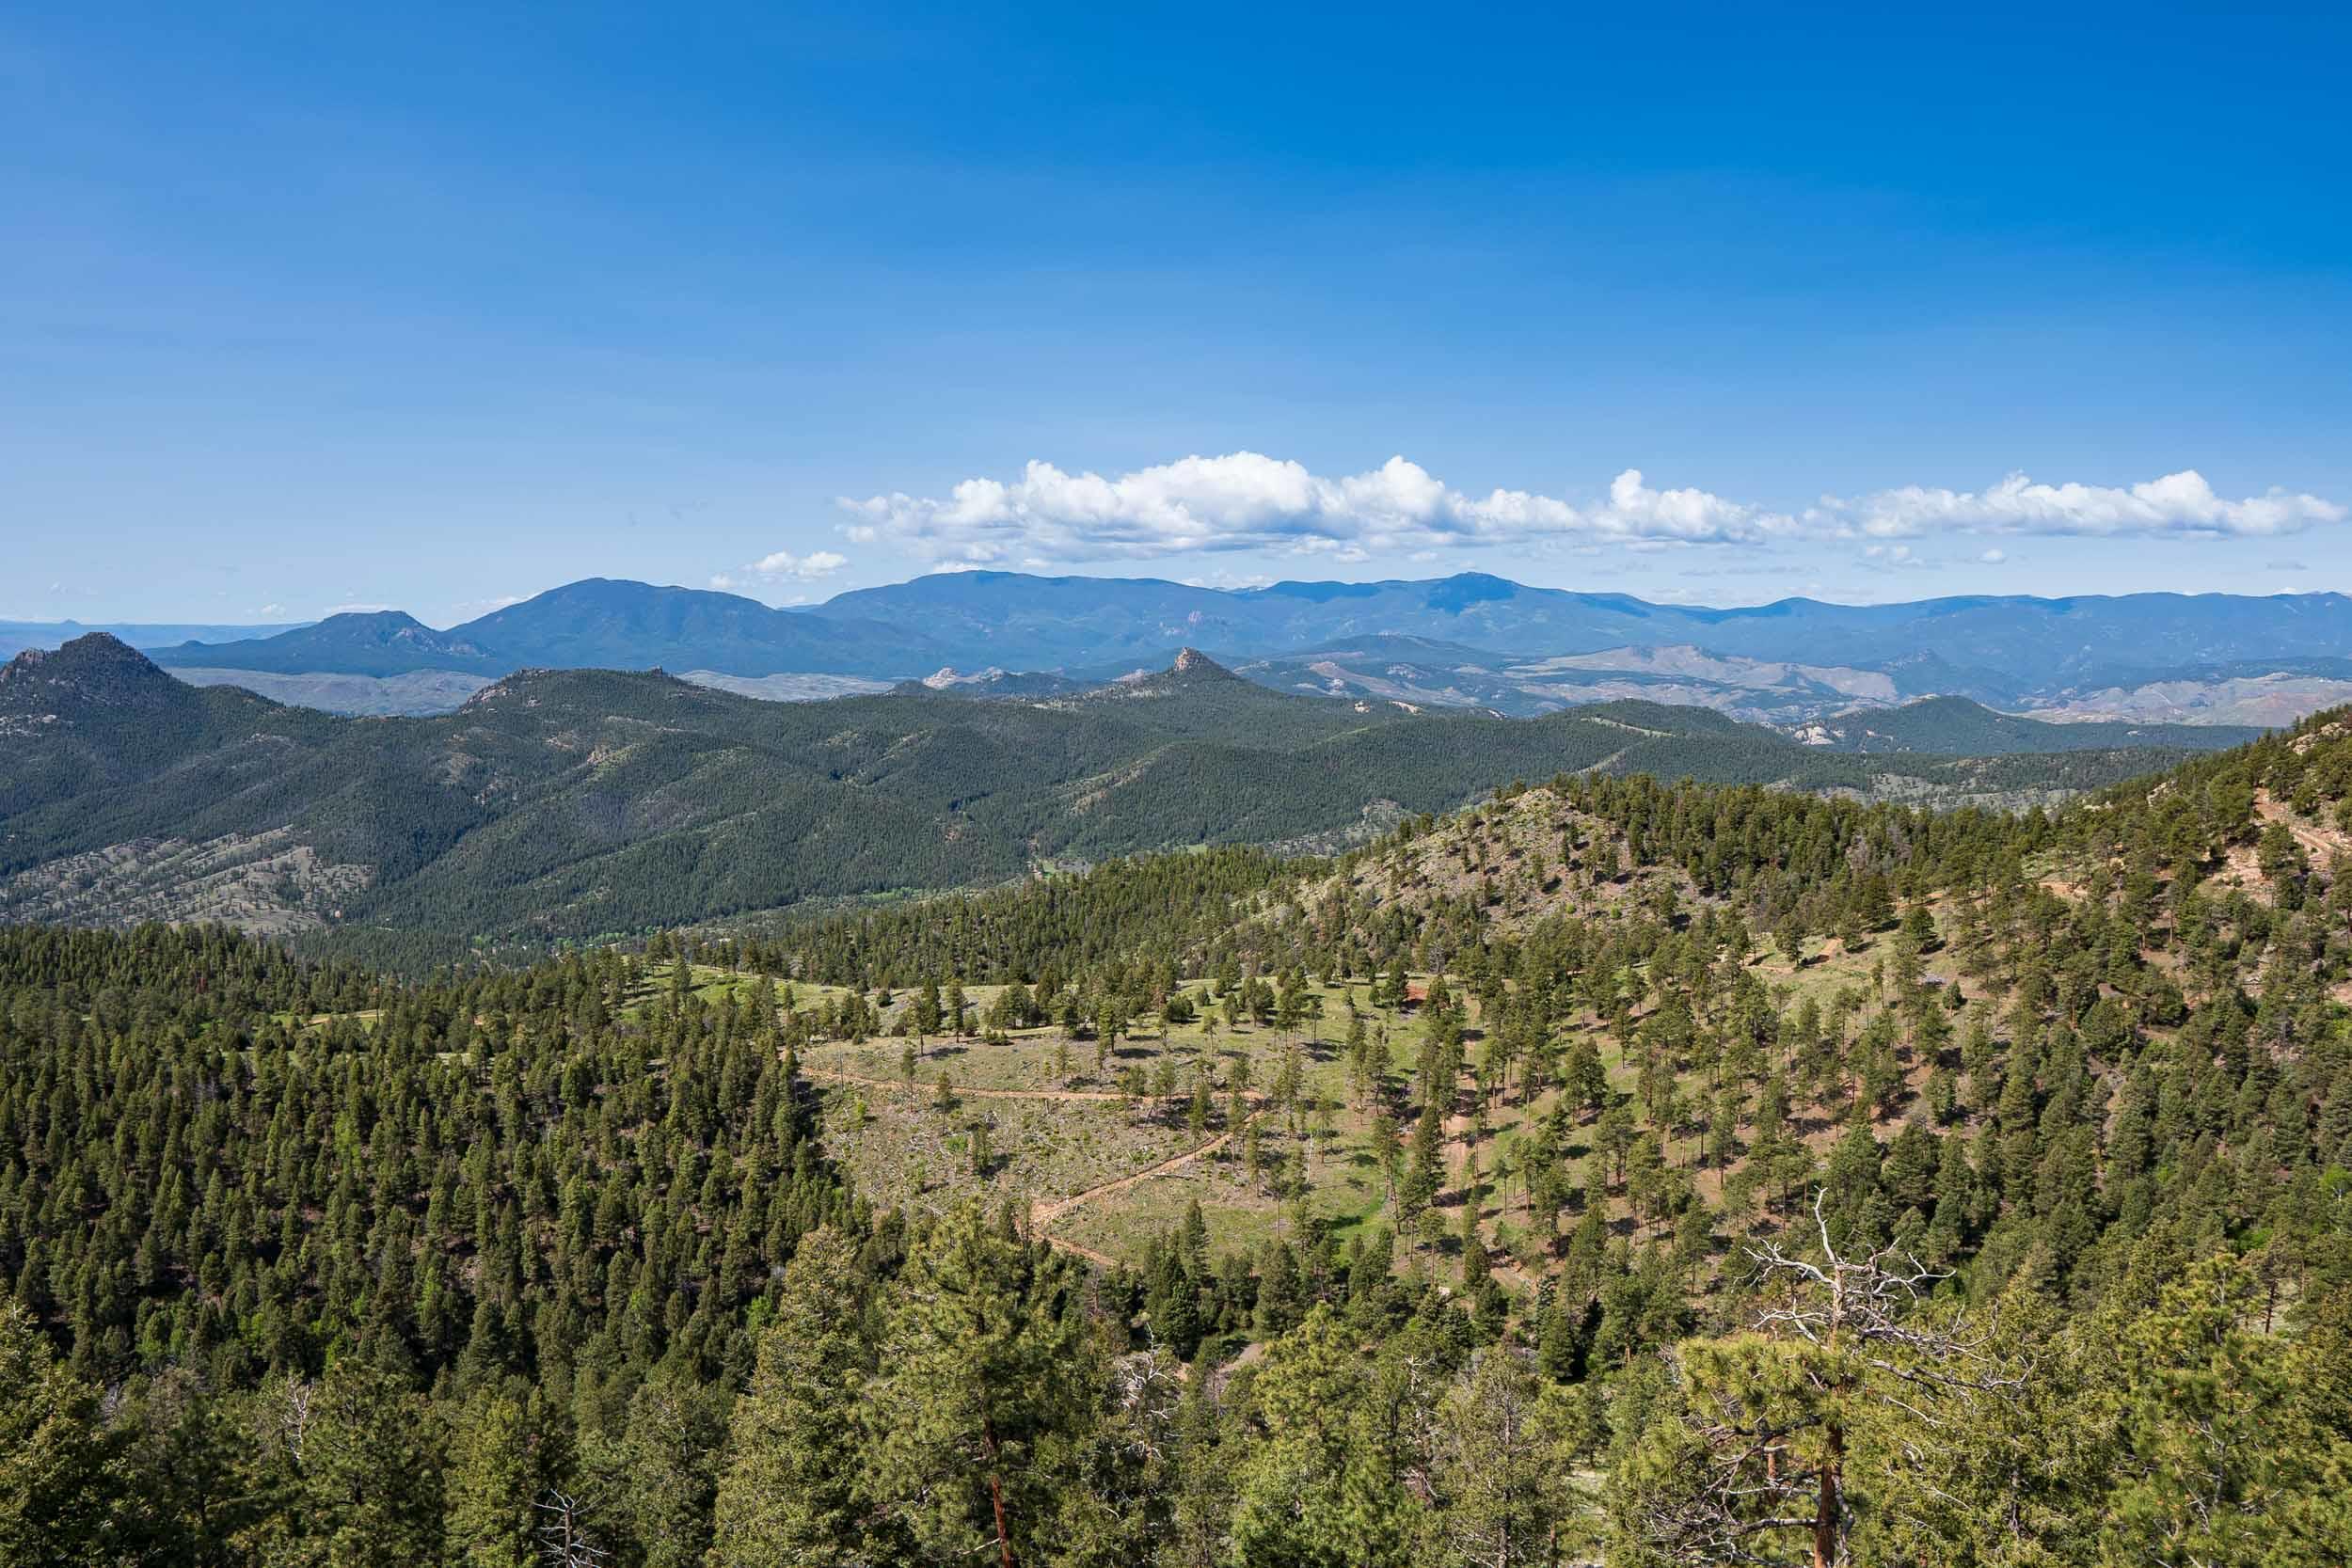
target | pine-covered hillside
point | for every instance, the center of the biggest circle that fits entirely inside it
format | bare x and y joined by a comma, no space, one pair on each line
1617,1171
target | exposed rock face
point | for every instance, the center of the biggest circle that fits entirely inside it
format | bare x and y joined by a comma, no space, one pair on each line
1193,662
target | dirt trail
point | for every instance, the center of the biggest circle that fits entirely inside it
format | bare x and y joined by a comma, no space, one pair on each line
2320,844
960,1091
1043,1214
1047,1213
1098,1259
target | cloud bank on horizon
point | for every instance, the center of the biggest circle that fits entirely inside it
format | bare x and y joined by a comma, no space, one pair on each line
1247,501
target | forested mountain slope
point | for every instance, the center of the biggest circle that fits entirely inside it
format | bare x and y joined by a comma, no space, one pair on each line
573,803
93,716
1517,1155
1440,675
1956,726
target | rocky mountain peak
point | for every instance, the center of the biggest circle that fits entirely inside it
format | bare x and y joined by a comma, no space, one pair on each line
94,671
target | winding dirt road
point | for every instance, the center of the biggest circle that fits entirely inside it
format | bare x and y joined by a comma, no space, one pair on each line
1047,1214
960,1092
1043,1216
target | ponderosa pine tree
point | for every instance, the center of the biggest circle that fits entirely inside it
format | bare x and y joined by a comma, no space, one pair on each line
1504,1483
1315,1487
789,1496
966,1400
492,1488
1787,1431
62,1488
359,1477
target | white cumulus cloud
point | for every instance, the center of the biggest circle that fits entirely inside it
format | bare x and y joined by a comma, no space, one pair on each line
781,566
2180,505
1246,500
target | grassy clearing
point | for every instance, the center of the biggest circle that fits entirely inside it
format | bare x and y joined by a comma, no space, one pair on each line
1064,1115
901,1148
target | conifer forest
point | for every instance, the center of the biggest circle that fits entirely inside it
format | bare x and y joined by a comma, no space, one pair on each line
1608,1172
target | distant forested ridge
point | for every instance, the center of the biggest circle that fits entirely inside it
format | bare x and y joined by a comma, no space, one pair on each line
581,804
1956,726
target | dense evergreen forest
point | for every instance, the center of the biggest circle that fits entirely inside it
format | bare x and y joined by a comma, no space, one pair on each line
1883,1186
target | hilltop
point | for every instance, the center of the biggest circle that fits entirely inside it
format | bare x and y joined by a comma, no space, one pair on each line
88,679
1195,695
94,714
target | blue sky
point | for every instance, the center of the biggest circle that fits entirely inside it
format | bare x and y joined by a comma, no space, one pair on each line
303,306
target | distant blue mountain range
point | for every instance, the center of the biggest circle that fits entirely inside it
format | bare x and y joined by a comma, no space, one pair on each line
1991,648
17,635
1028,622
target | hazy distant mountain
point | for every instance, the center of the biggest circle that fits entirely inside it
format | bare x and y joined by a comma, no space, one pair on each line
376,643
17,635
1017,621
787,688
408,694
1471,640
1391,667
1429,673
416,693
2269,693
995,685
601,624
598,623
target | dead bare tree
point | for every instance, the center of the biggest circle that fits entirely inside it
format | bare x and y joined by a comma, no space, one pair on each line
289,1409
1840,1340
564,1540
